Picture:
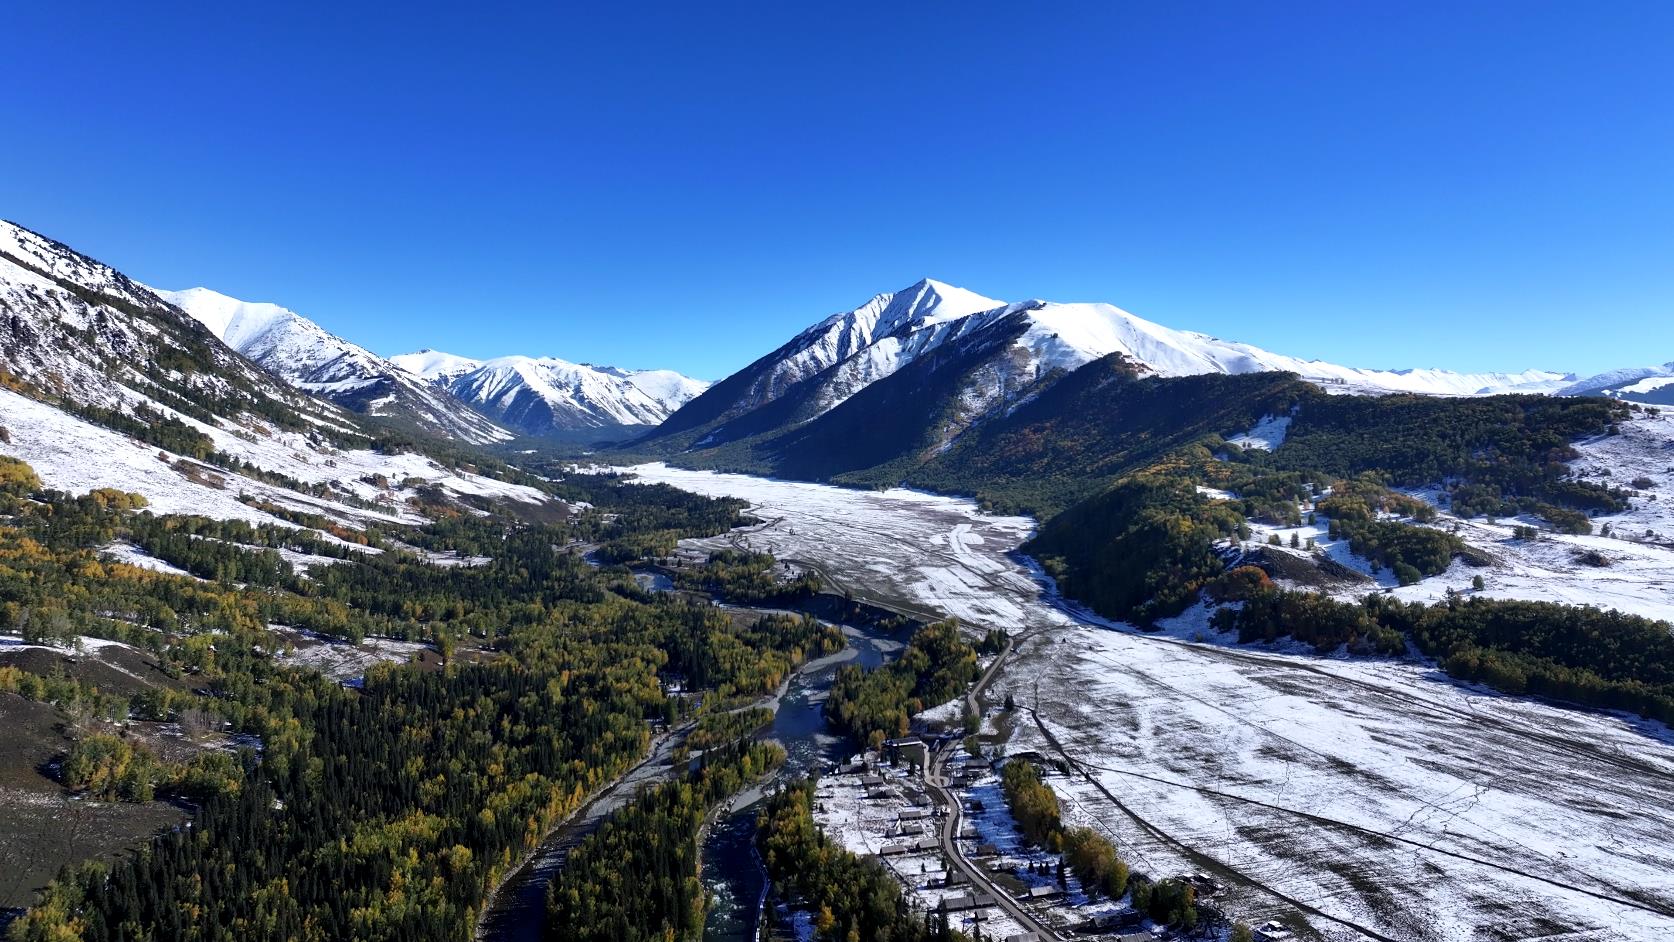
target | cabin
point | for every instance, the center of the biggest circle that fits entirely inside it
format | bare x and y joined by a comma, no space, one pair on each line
1045,891
965,902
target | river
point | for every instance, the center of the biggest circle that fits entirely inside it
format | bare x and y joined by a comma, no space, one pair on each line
730,870
1389,799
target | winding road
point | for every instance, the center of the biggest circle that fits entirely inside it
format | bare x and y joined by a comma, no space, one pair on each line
936,782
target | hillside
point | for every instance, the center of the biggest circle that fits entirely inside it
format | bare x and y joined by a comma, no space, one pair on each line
886,385
305,355
104,384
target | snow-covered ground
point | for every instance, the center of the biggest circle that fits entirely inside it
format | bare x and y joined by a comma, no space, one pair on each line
123,552
60,448
1396,803
1638,550
344,662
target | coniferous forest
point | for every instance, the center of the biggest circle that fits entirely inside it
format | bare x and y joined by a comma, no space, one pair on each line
385,811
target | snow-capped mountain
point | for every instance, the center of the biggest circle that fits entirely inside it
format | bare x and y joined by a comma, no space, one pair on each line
869,342
434,366
1648,384
86,335
103,384
318,362
548,396
829,363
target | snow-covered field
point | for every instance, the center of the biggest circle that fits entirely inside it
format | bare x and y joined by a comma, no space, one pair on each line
1379,797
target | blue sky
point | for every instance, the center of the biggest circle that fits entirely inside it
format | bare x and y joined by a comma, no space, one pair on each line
1473,186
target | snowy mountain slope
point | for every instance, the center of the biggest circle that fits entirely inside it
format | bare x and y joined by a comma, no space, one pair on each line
848,337
76,455
829,363
1647,384
82,333
1074,334
316,361
546,395
434,366
103,384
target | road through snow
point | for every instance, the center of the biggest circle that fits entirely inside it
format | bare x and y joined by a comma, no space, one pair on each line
1377,793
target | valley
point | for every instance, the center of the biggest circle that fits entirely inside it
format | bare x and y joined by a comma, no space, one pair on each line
1376,796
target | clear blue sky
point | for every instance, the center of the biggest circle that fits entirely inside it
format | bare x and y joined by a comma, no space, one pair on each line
1466,185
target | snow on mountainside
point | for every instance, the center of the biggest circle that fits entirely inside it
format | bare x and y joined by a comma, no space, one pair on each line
104,384
1647,384
870,342
546,395
316,361
82,332
1024,344
434,366
1074,334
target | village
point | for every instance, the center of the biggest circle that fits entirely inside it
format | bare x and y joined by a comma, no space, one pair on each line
934,814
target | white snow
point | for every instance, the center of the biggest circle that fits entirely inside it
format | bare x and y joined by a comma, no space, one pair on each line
577,394
134,556
318,362
58,447
435,365
1267,434
1632,379
846,352
1378,791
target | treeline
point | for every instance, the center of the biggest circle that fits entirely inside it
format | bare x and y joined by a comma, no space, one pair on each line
850,897
636,879
1090,855
710,650
723,727
1101,423
1086,852
1319,620
1032,802
872,706
1592,656
749,579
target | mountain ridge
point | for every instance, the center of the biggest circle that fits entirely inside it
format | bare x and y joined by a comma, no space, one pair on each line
552,396
321,363
781,396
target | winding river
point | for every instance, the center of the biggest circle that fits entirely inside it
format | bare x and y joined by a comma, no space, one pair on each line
730,869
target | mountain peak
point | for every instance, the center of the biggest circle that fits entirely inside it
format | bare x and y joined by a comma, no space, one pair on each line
235,322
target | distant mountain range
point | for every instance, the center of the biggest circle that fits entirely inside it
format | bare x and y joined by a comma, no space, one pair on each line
1652,385
951,358
549,396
